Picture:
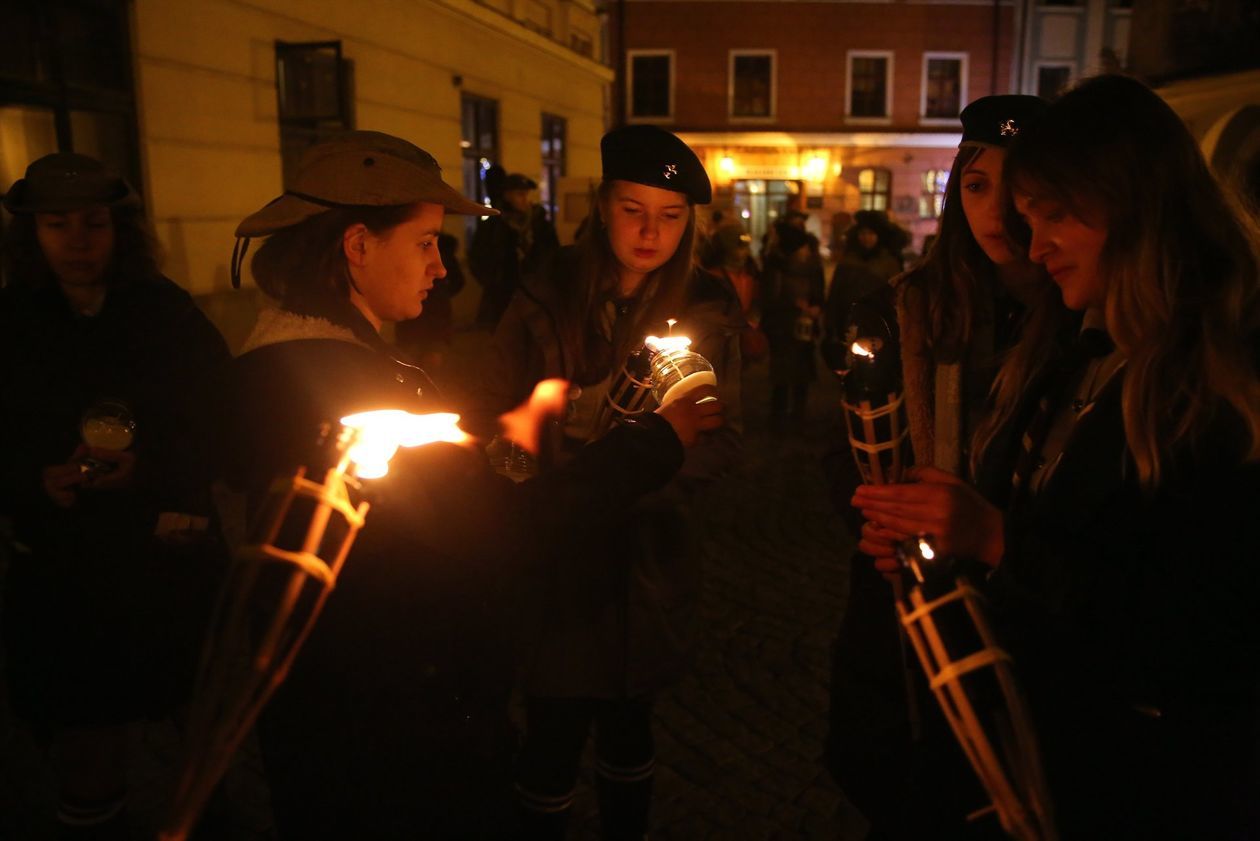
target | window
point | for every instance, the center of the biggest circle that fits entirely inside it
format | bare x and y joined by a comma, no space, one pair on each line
66,85
1052,79
869,91
932,198
479,145
312,89
944,86
554,139
875,185
750,90
650,86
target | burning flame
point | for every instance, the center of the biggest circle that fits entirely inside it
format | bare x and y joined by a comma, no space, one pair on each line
523,425
671,322
669,344
380,434
862,348
926,550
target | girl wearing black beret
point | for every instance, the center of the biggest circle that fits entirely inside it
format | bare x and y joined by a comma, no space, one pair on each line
1119,476
598,645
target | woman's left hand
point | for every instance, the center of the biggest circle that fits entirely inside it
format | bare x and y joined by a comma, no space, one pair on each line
934,502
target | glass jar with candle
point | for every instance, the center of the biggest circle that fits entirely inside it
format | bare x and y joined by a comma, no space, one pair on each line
678,369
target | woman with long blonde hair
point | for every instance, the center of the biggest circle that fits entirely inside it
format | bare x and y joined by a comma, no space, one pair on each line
1119,475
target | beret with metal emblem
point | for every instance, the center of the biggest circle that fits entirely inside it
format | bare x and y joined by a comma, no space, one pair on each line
359,168
65,181
998,120
654,157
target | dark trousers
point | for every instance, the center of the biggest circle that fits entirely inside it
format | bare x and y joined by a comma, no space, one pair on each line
556,730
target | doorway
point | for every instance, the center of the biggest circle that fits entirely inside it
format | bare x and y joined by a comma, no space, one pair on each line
759,203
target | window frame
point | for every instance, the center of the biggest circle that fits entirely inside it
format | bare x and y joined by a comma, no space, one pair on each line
887,194
631,55
558,163
731,55
1056,64
849,117
963,70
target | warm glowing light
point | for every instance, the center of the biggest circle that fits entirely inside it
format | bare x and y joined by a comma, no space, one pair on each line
523,425
378,435
668,344
671,322
746,214
727,165
815,168
926,550
836,169
860,348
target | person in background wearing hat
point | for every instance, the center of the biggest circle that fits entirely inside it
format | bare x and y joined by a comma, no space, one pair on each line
1118,475
114,567
509,246
729,255
393,722
792,302
951,317
870,259
599,644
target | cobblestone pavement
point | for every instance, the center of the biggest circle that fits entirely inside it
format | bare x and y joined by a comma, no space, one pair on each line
738,741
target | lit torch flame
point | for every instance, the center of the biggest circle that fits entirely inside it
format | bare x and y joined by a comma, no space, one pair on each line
523,425
380,434
667,344
862,348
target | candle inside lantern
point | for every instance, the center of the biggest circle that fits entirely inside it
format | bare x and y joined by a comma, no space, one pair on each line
378,435
676,368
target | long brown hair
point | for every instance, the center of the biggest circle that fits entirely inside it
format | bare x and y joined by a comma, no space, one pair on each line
661,295
951,273
304,266
1181,262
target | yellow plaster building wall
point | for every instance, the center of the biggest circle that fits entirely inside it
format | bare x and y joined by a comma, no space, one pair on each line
206,97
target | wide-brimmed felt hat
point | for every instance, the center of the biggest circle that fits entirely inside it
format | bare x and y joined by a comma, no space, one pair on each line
998,120
66,181
355,169
652,156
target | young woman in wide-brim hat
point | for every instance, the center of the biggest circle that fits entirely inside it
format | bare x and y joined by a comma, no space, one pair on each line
393,721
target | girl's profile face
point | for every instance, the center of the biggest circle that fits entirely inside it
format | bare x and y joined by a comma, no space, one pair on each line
77,244
645,225
981,192
395,271
1069,247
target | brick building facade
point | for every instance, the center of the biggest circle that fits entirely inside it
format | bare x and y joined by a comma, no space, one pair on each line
829,107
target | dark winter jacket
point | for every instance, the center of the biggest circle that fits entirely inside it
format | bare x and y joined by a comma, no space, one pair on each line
1132,621
393,722
620,624
505,249
89,588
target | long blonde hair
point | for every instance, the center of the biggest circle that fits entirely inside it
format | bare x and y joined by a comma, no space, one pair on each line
1182,264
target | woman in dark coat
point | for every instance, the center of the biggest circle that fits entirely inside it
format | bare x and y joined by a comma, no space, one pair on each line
792,299
951,319
600,646
393,722
1120,473
113,563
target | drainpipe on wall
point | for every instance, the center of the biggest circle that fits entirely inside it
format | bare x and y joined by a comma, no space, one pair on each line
993,65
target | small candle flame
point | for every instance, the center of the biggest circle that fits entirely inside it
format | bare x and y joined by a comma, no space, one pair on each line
671,322
926,550
380,434
862,348
668,343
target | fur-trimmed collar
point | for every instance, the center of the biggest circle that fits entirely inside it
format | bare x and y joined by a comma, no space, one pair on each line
277,325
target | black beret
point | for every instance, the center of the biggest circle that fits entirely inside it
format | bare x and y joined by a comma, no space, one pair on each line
652,156
998,120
